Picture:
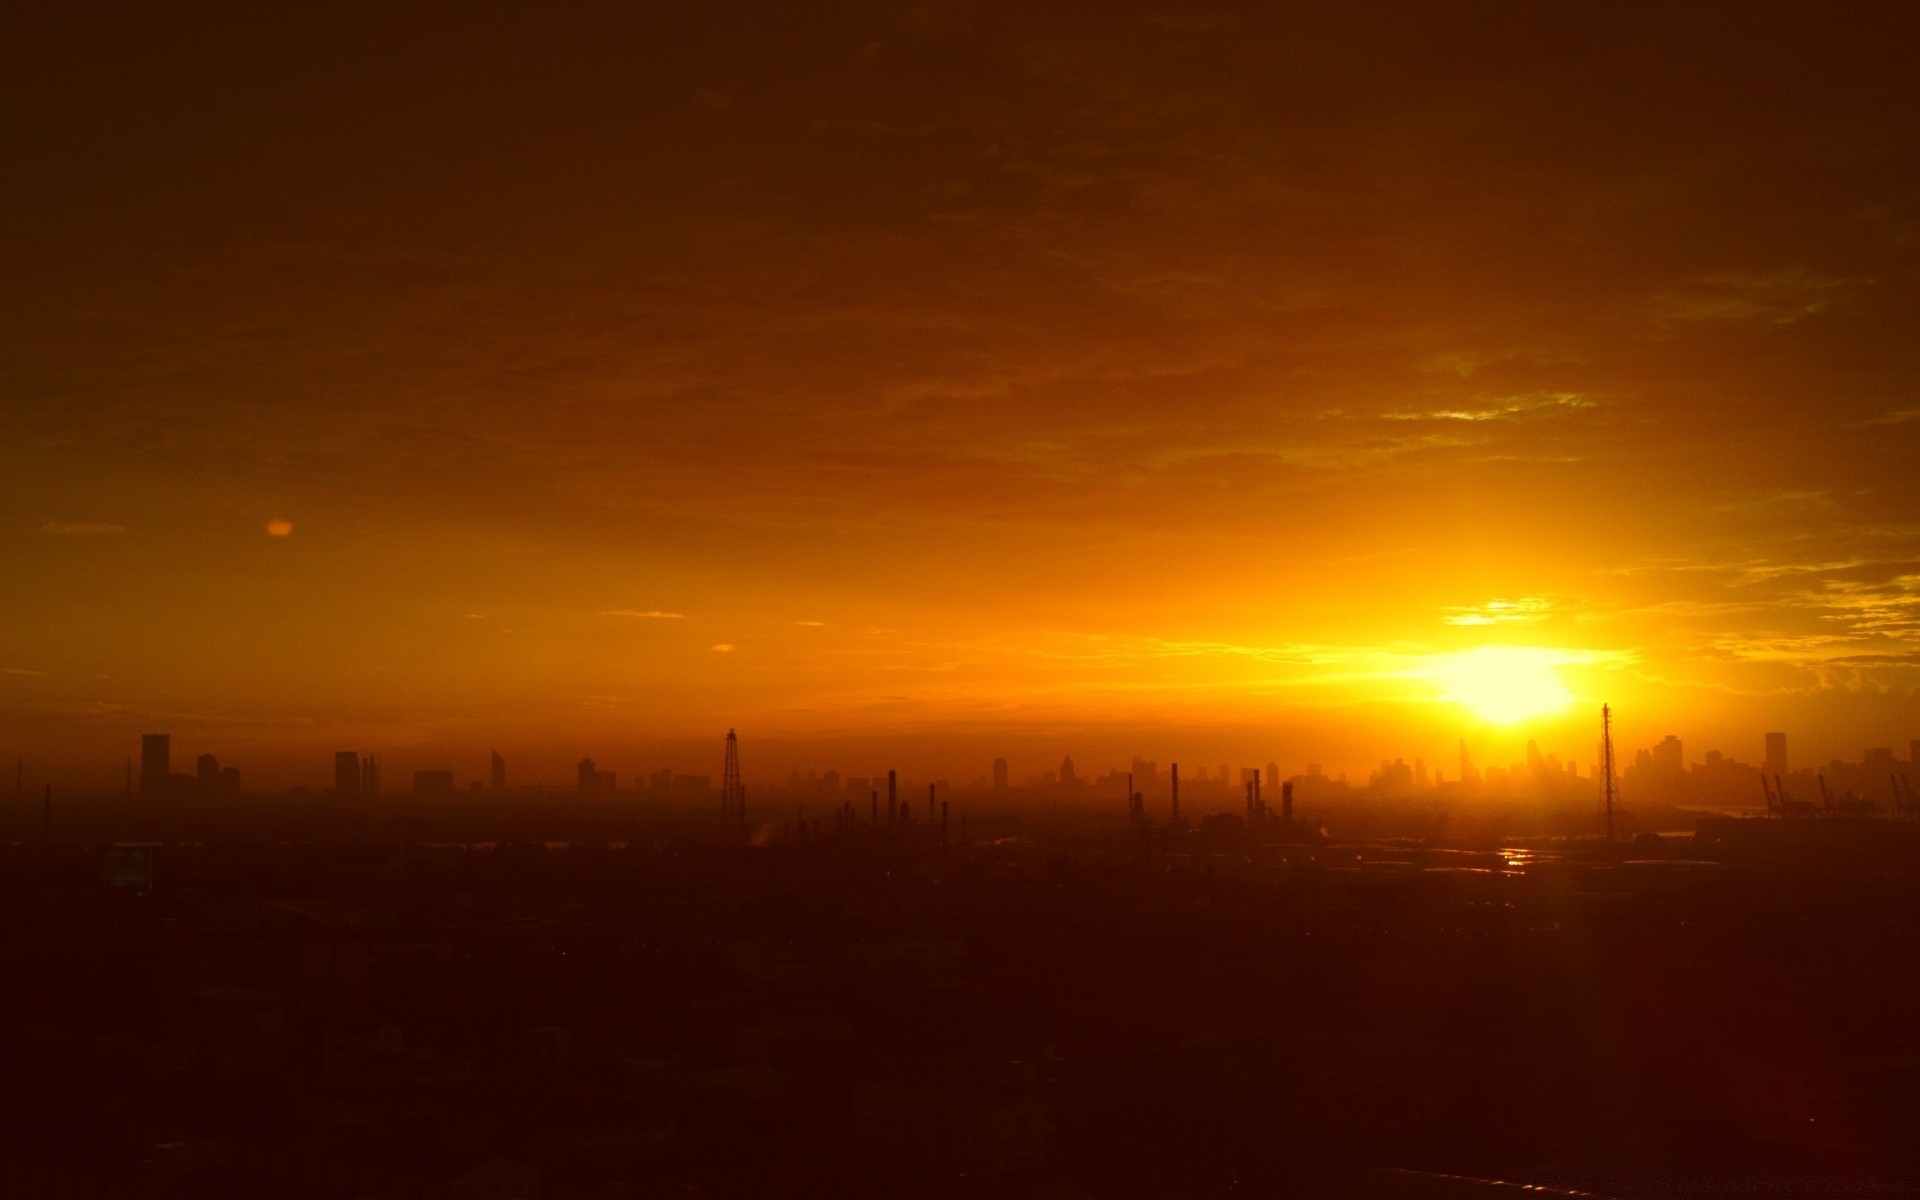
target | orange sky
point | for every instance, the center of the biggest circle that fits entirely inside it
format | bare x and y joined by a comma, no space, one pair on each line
1180,379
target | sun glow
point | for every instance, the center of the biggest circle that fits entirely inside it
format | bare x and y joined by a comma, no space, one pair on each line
1502,684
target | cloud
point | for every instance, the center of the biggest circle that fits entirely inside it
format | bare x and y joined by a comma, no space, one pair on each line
1780,298
651,614
1502,408
1500,612
1898,417
81,528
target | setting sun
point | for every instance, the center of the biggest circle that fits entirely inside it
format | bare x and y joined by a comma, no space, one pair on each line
1502,684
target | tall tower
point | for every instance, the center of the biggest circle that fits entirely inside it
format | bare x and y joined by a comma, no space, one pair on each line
1776,754
1608,793
499,766
156,762
733,795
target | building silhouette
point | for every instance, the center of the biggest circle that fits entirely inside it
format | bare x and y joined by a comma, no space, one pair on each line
156,762
1668,758
1145,774
499,768
593,783
370,775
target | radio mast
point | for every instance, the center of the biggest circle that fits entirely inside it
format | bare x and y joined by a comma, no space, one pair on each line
733,795
1608,793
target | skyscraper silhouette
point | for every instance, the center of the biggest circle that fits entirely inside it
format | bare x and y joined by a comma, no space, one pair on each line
156,762
499,772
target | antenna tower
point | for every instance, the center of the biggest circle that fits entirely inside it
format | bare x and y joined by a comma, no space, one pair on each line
1608,793
733,796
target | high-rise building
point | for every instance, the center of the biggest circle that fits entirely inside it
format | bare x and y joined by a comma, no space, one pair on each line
1067,777
499,772
589,777
346,772
1776,754
1668,758
156,762
1145,774
999,774
370,775
207,772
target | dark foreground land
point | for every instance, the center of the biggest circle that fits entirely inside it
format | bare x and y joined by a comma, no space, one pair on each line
1096,1011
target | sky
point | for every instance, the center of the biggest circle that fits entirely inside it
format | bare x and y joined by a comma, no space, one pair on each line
918,383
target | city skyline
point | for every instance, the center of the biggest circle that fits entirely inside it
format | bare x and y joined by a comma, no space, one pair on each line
355,772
